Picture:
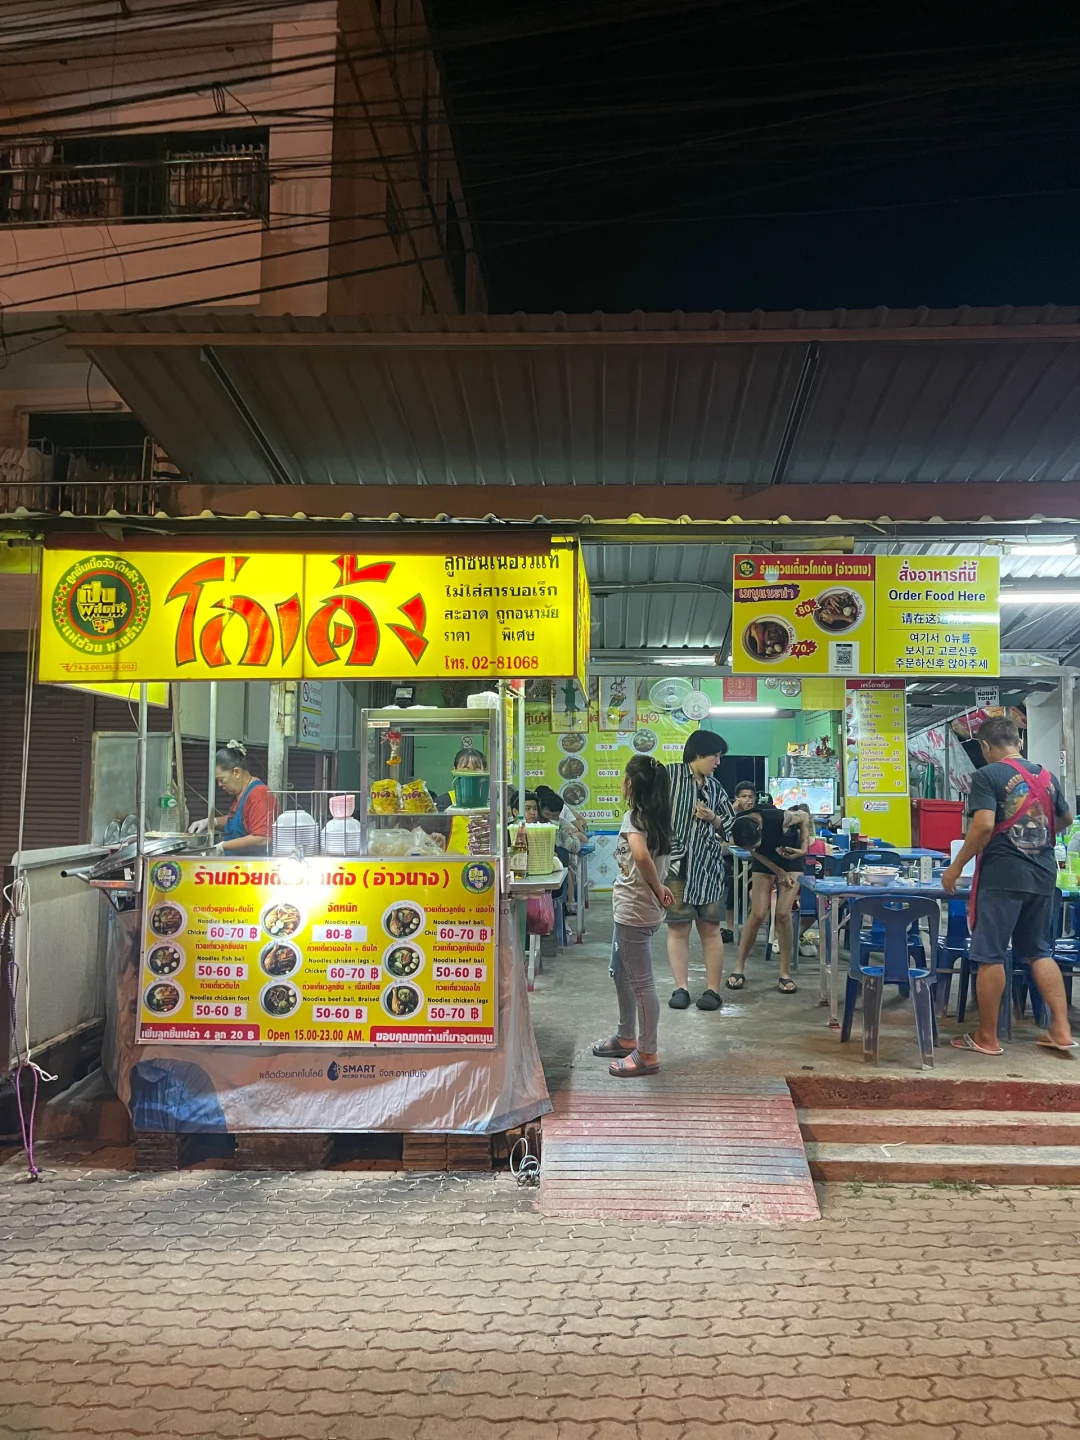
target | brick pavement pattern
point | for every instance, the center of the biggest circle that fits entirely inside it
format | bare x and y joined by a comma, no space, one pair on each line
345,1306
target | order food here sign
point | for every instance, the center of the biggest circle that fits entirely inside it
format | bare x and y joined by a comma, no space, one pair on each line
865,615
246,614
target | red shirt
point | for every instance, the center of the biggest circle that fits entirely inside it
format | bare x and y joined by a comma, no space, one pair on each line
260,811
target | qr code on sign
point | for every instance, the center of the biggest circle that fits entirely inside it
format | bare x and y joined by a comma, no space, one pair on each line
843,657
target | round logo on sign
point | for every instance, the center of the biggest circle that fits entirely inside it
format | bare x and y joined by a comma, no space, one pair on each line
101,604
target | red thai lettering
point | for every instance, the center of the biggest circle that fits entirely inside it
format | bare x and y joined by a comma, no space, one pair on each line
326,635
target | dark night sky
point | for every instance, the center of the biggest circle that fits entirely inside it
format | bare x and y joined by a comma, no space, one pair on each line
704,134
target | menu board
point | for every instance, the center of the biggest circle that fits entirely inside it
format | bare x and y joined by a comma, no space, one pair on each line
877,732
803,614
938,615
287,952
586,767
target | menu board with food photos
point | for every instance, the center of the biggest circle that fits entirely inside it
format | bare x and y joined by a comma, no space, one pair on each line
803,614
286,952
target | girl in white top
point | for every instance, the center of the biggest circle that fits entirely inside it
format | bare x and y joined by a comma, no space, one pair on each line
639,899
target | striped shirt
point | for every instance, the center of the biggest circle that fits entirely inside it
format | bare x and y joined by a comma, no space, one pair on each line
697,848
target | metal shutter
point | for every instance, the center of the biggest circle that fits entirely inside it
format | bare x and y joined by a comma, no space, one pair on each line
58,775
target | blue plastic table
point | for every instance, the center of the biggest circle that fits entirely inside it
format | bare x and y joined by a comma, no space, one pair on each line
830,895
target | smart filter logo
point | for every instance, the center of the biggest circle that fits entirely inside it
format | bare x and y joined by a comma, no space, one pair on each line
333,1070
101,604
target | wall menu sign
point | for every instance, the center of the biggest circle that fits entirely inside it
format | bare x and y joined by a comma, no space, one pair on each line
877,734
803,614
938,614
286,952
235,614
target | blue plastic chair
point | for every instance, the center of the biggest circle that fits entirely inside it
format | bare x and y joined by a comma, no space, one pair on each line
954,947
896,916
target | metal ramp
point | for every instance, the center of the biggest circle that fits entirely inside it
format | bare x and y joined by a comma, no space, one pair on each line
676,1147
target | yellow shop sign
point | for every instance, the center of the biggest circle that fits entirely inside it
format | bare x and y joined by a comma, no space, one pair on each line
239,614
938,615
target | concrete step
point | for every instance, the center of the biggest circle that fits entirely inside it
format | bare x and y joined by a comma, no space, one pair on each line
939,1127
958,1164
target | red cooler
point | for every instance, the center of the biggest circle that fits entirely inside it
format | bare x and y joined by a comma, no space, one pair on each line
936,823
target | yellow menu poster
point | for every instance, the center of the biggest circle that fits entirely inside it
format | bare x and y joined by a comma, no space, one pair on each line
803,614
286,952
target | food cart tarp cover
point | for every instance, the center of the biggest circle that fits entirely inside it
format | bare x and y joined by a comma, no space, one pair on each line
201,1089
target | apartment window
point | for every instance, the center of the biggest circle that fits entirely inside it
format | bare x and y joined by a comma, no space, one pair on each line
395,221
62,181
455,250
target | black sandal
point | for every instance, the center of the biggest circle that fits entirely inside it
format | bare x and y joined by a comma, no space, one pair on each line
735,982
786,985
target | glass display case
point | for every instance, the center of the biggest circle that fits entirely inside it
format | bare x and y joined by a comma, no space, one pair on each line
429,782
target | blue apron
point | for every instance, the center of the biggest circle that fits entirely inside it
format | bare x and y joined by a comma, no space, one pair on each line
234,825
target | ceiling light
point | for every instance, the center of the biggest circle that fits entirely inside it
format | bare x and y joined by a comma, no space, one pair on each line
687,660
1065,547
743,710
1040,597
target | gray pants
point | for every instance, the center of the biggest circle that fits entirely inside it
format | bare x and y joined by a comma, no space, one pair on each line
631,969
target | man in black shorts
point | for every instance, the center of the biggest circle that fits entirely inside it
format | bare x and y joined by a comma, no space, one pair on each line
1016,807
777,840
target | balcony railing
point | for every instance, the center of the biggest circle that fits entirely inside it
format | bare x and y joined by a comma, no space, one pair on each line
218,185
143,485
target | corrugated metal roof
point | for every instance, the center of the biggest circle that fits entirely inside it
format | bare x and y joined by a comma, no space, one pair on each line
612,400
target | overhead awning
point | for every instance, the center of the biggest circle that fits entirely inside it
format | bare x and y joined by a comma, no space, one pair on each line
852,415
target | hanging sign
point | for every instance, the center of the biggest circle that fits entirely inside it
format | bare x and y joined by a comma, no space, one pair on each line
283,952
938,615
987,697
233,614
803,614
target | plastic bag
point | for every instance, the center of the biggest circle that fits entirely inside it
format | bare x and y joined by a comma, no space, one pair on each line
540,915
422,842
390,842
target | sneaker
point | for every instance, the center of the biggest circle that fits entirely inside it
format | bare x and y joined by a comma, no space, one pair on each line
680,1000
710,1000
728,937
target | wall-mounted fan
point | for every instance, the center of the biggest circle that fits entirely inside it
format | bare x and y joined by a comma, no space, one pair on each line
697,705
670,694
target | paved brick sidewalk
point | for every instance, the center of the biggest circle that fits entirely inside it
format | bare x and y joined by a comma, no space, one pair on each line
339,1306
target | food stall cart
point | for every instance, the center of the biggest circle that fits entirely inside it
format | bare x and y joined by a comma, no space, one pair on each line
362,976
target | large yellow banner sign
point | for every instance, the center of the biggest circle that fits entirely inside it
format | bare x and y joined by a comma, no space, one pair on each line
236,614
282,952
938,615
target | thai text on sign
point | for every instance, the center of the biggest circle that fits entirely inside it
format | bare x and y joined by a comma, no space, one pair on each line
308,953
145,615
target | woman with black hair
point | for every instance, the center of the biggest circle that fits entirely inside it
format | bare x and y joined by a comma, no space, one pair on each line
701,819
249,826
639,899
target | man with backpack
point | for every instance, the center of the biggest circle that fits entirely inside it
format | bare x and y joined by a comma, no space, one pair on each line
1016,808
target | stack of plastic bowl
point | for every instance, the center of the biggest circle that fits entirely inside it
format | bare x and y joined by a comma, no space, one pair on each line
341,833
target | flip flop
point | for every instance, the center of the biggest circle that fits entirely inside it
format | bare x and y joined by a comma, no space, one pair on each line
632,1066
612,1049
1048,1044
735,982
786,985
967,1042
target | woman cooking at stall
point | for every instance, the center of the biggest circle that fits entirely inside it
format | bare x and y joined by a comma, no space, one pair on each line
249,826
